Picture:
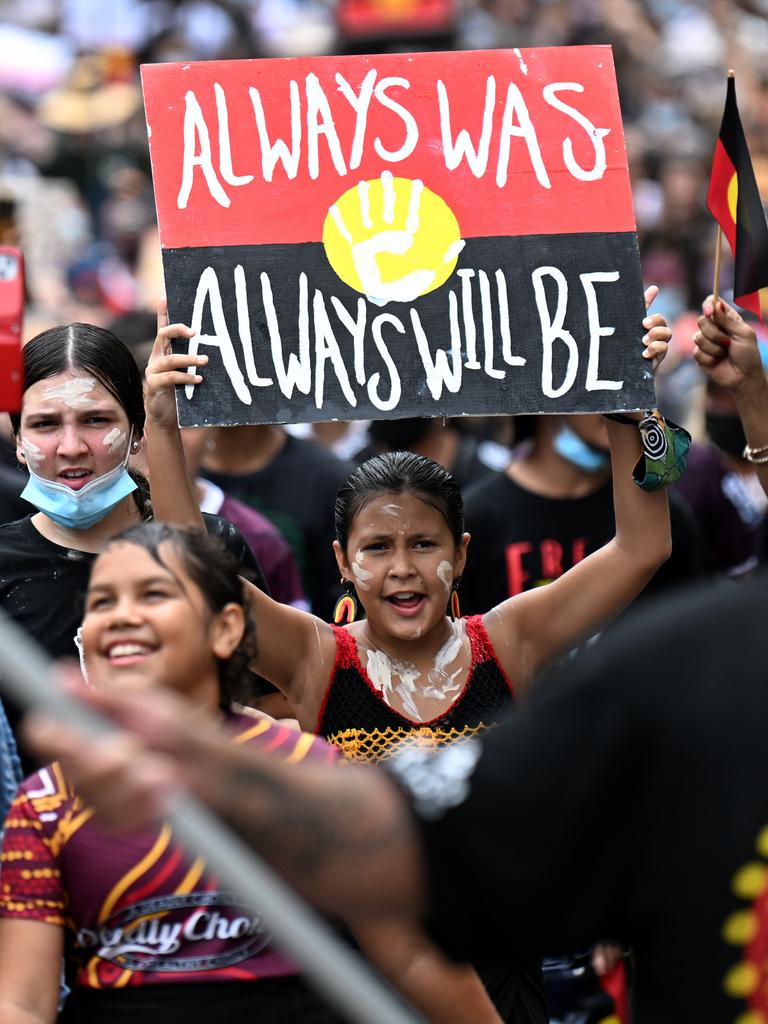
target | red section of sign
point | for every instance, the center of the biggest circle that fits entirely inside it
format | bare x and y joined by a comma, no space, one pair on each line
11,314
563,98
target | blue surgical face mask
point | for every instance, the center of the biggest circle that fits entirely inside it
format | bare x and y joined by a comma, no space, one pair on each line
77,510
571,447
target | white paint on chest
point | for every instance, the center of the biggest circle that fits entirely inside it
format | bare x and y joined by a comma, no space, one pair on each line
74,392
393,677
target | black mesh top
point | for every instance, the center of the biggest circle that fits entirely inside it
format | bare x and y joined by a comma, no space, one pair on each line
355,717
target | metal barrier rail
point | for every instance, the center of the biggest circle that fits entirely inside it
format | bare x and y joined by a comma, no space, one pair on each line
338,974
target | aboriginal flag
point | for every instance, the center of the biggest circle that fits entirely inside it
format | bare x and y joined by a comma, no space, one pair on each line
734,201
329,225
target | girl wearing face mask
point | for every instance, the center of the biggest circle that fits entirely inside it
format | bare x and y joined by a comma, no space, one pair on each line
79,433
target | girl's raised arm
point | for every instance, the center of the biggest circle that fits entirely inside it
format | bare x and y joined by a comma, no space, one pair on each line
532,629
295,650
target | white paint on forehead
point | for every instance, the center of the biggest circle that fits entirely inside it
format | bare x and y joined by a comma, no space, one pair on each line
391,510
361,575
32,453
445,574
114,439
74,392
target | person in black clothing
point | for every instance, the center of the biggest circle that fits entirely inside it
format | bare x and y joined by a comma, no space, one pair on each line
550,509
629,798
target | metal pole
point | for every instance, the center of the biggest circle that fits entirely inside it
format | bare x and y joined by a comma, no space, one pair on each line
337,972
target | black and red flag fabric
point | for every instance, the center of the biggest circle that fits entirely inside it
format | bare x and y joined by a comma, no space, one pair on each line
427,234
734,201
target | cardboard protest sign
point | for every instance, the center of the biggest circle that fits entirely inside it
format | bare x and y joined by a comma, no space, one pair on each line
430,234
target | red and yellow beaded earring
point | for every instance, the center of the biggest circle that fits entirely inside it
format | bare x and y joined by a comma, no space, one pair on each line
454,603
346,606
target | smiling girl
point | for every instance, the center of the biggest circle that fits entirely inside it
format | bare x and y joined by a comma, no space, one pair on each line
146,933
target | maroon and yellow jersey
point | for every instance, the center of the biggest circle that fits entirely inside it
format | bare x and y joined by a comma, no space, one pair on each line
136,908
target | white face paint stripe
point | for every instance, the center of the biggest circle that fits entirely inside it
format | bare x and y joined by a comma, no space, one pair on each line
361,575
73,392
32,453
445,574
114,439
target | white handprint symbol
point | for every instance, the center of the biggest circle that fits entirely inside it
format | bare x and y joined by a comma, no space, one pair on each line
392,239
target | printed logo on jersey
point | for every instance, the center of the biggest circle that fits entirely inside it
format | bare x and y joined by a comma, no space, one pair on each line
177,933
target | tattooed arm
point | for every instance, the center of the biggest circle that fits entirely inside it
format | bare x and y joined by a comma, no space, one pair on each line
343,836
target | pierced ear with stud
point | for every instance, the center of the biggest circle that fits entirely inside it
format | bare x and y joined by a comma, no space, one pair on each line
346,606
453,604
135,445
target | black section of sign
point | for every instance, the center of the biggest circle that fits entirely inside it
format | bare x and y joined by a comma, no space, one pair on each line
491,274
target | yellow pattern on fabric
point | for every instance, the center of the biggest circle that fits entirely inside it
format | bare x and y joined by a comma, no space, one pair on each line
379,744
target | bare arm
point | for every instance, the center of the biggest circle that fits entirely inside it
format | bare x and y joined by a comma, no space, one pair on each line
30,958
299,667
342,835
726,350
445,992
532,629
173,493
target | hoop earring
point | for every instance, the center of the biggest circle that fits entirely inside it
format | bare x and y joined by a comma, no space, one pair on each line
345,610
454,603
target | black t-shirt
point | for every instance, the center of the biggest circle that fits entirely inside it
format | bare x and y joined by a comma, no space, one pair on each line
297,492
43,585
521,540
628,798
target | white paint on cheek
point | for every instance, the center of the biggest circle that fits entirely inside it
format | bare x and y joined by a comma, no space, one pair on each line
391,510
74,392
361,575
32,453
114,439
445,574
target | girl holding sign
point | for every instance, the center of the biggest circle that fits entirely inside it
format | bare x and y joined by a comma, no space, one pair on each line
409,668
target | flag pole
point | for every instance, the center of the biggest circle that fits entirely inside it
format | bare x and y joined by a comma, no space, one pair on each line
719,238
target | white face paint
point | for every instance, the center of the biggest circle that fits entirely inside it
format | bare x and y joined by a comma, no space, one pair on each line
32,453
114,440
445,574
391,510
74,392
361,575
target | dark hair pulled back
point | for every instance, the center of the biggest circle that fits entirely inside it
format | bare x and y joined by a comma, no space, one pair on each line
98,351
86,347
215,573
399,473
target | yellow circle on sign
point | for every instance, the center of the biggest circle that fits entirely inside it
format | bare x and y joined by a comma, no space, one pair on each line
392,239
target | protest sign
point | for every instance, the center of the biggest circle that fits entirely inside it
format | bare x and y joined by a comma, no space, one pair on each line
430,234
